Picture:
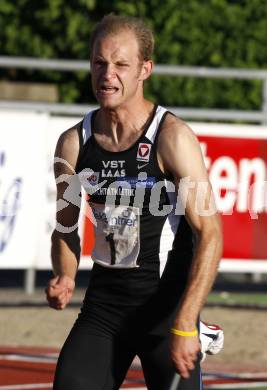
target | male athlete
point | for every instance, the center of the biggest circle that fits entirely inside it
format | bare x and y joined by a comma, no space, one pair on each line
155,257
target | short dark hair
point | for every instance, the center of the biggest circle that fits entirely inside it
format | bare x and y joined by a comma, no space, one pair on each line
113,24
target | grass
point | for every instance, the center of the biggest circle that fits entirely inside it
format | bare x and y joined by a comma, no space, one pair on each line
232,298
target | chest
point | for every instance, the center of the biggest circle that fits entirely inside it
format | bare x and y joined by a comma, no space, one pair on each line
140,158
127,173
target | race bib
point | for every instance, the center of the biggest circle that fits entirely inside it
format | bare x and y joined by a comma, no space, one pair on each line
117,230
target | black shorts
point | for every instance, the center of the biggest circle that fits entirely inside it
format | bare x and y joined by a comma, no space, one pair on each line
104,341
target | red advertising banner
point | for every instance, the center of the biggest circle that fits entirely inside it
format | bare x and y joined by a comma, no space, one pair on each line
237,169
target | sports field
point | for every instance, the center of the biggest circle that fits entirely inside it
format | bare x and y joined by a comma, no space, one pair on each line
31,335
33,368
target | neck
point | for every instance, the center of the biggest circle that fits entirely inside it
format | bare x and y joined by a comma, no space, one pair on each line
123,122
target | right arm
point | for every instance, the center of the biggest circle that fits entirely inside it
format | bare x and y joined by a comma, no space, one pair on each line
65,250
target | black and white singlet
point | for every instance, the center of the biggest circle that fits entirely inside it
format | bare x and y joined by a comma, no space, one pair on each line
142,255
137,227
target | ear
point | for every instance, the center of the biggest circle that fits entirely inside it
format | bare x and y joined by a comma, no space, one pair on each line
146,70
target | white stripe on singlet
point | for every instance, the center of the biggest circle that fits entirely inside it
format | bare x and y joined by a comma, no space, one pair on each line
153,128
87,130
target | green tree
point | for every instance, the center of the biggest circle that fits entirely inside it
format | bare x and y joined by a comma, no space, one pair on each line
216,33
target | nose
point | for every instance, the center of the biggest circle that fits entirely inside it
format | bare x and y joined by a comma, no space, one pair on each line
109,71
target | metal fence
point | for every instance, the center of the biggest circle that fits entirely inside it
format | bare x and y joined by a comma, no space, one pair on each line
168,70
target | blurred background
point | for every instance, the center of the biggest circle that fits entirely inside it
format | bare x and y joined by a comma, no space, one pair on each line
211,70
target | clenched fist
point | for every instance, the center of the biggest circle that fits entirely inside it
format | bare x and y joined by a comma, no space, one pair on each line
59,291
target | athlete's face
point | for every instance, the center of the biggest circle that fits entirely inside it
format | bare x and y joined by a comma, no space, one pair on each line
117,72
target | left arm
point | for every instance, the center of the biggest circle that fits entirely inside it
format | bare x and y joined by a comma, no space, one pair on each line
180,154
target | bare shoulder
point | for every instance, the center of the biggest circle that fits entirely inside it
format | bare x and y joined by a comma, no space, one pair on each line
174,128
179,151
69,140
68,146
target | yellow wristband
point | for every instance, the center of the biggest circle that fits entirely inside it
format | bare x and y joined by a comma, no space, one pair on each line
184,334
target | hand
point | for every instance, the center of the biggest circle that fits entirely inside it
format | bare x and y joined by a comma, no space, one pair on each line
184,353
59,291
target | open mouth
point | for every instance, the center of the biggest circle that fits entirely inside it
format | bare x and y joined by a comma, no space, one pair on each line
107,90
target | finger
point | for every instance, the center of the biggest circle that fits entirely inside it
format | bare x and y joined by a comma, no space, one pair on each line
69,292
60,300
190,365
67,298
193,356
182,369
55,304
54,296
184,373
61,305
54,281
64,298
52,293
62,295
56,291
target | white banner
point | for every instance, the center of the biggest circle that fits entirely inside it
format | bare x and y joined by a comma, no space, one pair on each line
22,191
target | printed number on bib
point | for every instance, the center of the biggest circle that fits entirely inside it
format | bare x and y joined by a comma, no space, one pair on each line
117,241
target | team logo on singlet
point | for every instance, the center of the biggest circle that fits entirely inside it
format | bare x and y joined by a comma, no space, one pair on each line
143,152
93,178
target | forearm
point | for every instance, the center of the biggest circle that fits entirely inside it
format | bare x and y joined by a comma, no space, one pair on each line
200,280
65,253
